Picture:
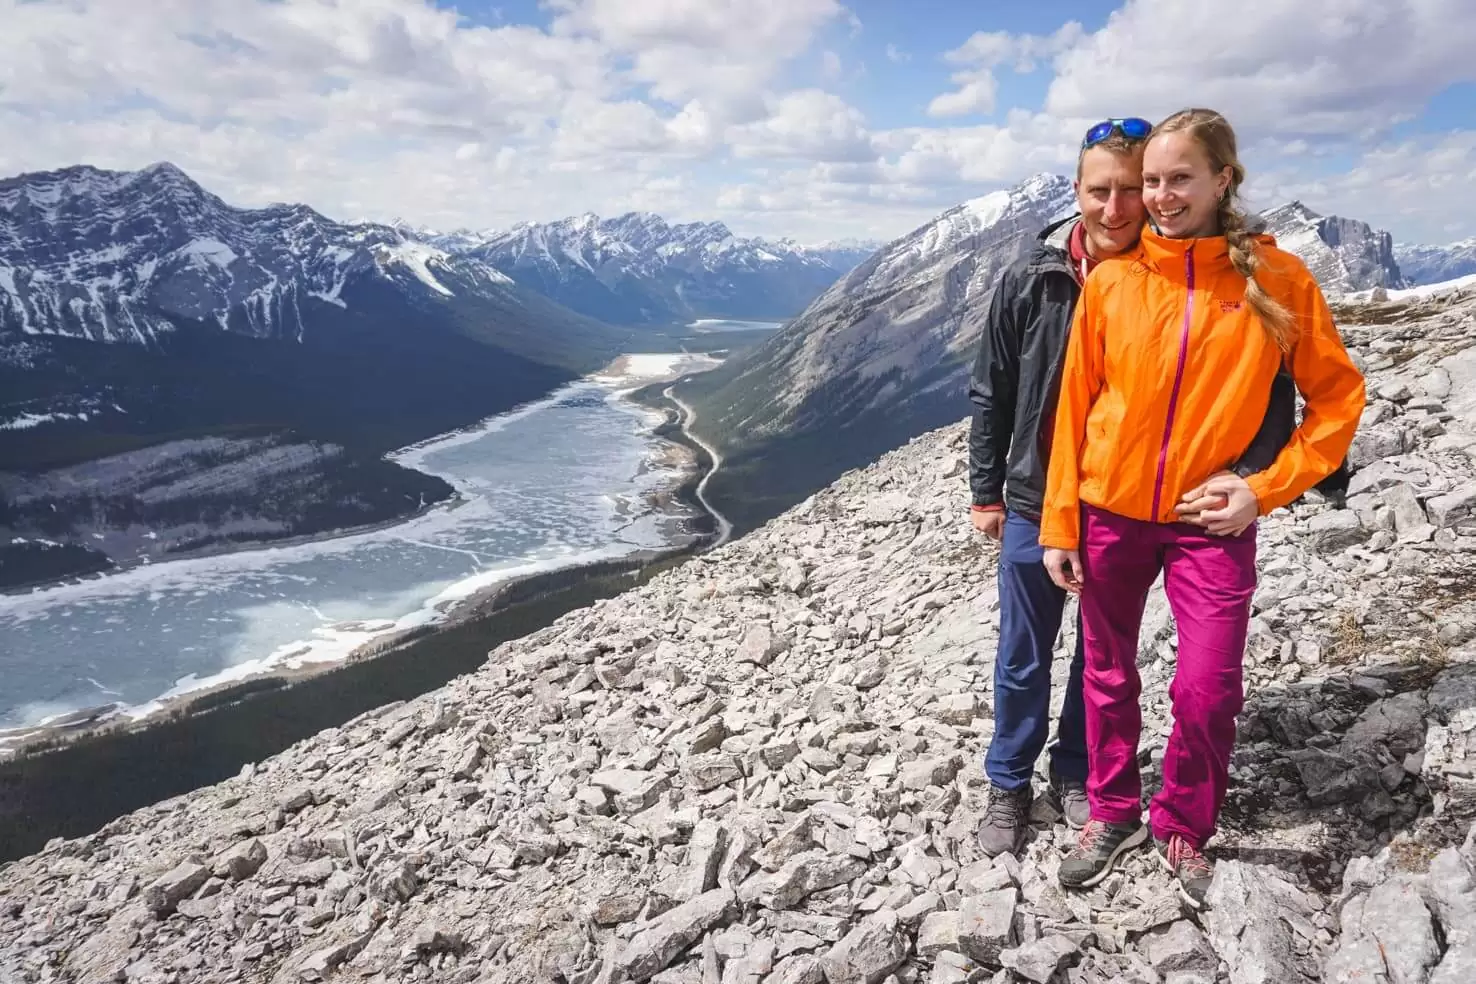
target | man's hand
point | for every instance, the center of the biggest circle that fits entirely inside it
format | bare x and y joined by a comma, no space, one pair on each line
1224,505
990,522
1064,567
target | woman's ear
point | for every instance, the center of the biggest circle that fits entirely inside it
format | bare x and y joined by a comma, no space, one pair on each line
1227,174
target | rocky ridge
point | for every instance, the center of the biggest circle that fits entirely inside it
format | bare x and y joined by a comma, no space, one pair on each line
764,767
1344,255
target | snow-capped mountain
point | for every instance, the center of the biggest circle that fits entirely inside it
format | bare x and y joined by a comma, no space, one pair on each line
140,303
881,356
1436,264
1344,255
639,269
131,256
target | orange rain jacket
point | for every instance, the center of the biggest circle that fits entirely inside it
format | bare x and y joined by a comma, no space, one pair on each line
1168,375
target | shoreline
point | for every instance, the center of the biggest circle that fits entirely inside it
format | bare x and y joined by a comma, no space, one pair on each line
452,501
68,778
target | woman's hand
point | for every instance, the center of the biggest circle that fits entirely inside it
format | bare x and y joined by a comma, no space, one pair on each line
1064,567
1224,505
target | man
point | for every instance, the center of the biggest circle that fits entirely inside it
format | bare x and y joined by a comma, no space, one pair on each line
1014,388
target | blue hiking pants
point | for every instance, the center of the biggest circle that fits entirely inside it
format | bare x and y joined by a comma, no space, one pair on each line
1030,612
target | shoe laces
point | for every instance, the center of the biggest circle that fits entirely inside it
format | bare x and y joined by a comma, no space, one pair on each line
1004,808
1091,832
1186,861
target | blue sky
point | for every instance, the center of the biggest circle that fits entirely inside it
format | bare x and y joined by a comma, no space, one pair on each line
815,119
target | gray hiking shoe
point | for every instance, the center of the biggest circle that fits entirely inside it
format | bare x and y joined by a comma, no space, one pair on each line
1189,867
1097,851
1071,798
1007,818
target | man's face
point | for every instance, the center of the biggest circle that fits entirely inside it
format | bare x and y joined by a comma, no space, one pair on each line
1109,194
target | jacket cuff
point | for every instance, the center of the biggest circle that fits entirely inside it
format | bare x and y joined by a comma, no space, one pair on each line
1059,541
1258,486
987,507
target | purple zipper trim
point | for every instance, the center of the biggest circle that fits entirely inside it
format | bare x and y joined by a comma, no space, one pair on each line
1168,427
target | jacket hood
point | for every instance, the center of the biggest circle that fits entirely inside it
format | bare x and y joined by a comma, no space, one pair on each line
1053,246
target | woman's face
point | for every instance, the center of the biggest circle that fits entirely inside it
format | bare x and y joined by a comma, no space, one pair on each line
1180,189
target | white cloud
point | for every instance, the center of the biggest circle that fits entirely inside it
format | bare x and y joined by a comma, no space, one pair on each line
809,124
977,87
381,108
723,50
976,94
1305,67
1421,188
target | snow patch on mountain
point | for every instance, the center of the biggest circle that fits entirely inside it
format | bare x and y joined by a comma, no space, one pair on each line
28,420
418,257
211,251
1421,291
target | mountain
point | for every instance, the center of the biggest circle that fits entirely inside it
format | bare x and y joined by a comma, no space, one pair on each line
1436,264
137,310
1344,255
133,256
638,269
843,254
881,356
139,303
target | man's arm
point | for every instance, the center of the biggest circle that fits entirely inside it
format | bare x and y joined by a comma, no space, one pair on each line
992,388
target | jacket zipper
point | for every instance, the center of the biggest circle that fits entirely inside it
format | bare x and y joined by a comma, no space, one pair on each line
1168,426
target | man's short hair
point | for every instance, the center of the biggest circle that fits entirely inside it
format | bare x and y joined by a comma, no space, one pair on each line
1116,143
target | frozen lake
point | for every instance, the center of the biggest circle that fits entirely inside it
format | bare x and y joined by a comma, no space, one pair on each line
562,481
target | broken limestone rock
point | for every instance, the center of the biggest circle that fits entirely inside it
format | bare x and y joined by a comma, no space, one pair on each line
868,953
177,884
986,925
656,945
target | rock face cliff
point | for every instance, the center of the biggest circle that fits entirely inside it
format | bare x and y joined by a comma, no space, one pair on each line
1343,254
764,766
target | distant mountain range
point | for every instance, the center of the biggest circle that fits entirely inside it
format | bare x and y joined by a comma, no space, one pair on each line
141,315
1436,264
638,269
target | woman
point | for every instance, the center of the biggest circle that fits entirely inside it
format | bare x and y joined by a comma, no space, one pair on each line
1168,375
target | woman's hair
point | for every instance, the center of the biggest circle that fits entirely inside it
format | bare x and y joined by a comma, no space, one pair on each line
1213,133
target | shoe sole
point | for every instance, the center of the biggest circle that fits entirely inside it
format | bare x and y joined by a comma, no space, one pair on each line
1183,893
1135,839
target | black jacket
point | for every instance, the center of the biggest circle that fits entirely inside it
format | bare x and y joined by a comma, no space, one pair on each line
1017,380
1017,375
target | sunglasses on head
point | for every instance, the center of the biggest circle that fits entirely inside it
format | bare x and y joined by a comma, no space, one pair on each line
1133,127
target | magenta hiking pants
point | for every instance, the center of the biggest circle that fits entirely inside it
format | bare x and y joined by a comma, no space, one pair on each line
1209,581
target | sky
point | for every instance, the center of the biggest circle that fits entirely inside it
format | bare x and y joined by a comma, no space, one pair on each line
813,119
